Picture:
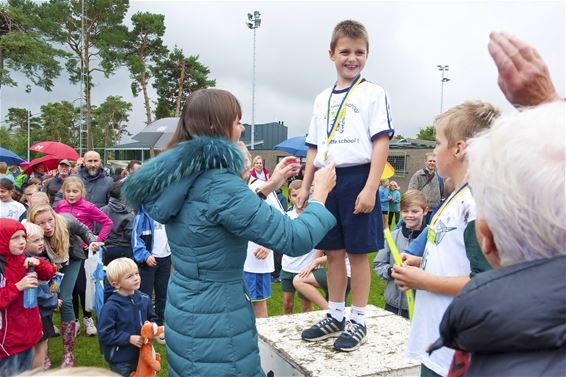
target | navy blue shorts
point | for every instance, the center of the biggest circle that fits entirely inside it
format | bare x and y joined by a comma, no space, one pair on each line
259,285
358,234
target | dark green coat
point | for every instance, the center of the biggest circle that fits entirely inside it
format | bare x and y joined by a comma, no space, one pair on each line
195,189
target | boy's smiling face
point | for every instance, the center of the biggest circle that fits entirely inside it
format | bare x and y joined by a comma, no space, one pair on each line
349,56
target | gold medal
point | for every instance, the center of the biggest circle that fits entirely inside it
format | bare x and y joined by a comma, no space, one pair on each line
326,155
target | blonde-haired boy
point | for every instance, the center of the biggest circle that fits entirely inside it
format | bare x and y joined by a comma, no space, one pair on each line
351,127
122,317
452,254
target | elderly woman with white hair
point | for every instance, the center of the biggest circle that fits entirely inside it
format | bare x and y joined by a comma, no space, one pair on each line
512,320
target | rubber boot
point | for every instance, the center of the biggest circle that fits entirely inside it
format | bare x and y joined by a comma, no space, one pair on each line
68,334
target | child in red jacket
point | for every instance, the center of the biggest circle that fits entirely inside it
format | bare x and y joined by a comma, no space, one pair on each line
20,328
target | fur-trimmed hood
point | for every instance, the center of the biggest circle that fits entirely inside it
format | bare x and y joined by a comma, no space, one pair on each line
172,173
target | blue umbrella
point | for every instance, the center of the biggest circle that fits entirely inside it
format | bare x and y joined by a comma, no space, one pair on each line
295,146
10,157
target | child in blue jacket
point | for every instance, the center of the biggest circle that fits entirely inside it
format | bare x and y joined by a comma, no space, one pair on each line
122,317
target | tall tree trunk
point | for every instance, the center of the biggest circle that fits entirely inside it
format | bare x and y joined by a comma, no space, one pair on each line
181,83
143,83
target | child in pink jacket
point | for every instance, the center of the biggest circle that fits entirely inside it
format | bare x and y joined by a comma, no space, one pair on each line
73,202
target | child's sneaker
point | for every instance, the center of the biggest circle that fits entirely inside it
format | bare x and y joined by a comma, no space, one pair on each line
90,329
351,339
325,328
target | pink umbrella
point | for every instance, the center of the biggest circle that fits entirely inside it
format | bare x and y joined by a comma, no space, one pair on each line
57,149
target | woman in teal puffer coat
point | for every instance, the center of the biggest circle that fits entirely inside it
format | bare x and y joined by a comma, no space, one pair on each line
195,189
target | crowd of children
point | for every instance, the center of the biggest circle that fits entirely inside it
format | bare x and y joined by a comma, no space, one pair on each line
60,230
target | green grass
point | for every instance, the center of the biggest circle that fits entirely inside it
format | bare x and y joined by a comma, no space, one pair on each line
87,349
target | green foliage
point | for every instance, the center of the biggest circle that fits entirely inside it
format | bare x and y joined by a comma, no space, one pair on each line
110,119
98,49
427,133
103,37
14,137
143,48
24,48
175,78
60,122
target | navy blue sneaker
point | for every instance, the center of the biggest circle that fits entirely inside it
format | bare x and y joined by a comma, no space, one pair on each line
351,339
325,328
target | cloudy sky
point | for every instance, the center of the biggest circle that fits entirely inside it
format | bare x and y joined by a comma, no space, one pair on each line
408,39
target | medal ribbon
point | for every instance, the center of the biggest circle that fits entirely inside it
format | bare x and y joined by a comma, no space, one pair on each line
397,257
250,180
460,191
341,110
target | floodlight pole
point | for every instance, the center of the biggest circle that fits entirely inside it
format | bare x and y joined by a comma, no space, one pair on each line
442,68
254,21
28,91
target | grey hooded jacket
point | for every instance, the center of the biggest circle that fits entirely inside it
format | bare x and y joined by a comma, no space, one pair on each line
384,260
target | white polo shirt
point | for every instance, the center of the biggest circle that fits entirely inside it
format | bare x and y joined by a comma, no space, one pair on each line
444,255
296,264
367,116
252,264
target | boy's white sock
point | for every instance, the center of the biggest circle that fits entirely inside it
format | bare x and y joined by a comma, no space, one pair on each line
336,310
358,315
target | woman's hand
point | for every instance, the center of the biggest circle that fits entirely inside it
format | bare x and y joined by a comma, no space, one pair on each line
285,169
324,182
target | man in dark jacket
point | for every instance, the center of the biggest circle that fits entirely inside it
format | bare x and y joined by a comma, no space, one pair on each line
511,320
97,182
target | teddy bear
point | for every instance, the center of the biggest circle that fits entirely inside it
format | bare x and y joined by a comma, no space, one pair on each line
149,362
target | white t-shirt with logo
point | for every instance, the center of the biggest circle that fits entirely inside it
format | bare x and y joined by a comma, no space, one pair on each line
252,264
444,255
161,247
11,210
367,116
296,264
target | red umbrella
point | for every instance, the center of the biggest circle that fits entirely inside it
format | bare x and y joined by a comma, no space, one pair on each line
54,148
50,162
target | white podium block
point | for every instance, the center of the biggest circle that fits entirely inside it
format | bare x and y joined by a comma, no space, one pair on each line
283,353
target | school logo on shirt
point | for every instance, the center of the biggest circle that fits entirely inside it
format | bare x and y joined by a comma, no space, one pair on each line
436,235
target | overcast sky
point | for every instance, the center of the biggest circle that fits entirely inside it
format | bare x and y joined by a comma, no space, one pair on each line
408,39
